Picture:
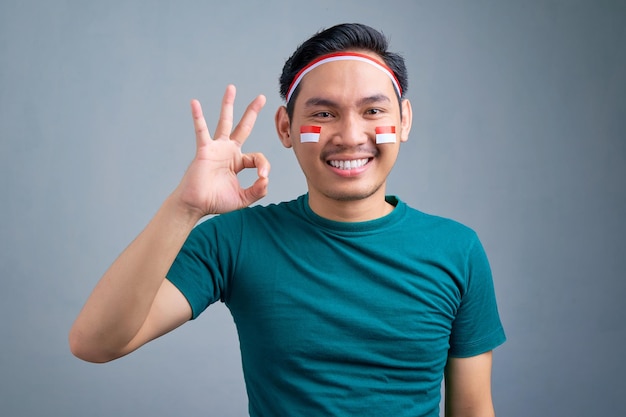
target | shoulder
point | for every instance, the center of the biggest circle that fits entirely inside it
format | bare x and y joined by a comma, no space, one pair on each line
435,225
258,215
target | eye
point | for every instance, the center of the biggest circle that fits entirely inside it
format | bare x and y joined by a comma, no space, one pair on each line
323,114
373,111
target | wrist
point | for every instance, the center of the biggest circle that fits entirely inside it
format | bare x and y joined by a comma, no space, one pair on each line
186,215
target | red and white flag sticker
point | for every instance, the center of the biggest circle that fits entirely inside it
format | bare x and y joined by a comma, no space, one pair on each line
310,133
386,134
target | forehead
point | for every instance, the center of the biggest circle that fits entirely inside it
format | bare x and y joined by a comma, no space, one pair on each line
347,78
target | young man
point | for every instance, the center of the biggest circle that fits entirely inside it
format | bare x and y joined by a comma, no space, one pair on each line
347,302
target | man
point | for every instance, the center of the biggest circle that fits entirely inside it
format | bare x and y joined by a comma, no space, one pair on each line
347,302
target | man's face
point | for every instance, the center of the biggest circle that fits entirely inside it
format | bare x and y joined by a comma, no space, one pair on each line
348,99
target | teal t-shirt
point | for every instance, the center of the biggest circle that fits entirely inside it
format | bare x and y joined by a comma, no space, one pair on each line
343,319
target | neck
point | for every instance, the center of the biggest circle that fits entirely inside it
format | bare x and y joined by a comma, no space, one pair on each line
360,210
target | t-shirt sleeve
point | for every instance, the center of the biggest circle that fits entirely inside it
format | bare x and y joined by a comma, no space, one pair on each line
477,327
201,268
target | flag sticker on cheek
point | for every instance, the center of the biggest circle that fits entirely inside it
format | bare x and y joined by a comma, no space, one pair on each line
310,133
386,134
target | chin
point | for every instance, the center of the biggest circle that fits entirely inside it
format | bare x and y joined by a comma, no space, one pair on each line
353,194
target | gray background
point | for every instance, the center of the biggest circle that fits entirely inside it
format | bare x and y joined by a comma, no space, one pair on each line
519,132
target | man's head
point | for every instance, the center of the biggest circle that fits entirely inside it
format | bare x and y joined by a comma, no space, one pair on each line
340,38
345,117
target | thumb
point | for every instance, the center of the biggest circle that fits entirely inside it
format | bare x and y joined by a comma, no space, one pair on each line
256,191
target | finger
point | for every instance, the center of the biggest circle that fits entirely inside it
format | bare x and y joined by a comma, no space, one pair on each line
245,125
258,160
225,123
256,191
202,131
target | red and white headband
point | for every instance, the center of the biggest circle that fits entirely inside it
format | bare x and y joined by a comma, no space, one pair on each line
342,56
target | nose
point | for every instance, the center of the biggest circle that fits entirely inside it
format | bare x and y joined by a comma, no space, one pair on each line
351,132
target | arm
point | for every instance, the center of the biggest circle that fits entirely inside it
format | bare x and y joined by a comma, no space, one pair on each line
133,303
468,387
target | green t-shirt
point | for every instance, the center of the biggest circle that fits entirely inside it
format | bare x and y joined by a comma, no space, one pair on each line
343,319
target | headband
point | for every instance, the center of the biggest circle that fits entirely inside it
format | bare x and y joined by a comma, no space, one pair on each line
342,56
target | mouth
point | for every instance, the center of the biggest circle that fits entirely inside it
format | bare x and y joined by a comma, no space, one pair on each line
348,164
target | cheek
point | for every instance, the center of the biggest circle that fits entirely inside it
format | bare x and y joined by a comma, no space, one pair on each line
307,154
310,134
385,134
389,152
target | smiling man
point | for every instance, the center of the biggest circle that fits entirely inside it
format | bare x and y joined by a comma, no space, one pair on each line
347,301
348,95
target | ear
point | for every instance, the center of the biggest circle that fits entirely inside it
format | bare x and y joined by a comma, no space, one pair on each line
407,120
283,126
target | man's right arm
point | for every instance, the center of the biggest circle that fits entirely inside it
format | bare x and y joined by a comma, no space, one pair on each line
133,303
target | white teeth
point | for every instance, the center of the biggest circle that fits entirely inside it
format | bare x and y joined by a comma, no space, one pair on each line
350,164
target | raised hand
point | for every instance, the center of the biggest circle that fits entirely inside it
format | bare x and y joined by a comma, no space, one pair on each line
210,185
133,303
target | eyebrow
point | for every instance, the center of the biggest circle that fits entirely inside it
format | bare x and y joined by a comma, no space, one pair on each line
321,101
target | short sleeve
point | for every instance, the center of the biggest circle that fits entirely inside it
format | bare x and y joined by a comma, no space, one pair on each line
477,327
201,267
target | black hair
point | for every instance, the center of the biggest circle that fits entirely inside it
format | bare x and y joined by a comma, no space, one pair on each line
342,37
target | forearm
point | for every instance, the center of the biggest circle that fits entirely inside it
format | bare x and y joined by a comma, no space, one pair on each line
121,301
132,304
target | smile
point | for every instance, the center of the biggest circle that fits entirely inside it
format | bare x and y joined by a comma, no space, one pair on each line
348,164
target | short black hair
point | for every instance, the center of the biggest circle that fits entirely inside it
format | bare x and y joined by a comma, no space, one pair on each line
339,38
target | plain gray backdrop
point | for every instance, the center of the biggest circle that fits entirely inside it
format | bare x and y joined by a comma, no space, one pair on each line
519,132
